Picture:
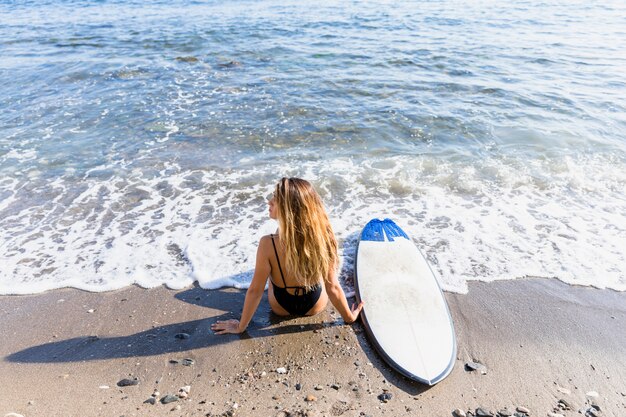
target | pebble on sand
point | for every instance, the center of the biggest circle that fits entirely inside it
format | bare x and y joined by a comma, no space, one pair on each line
505,412
184,391
592,394
483,412
565,405
555,415
281,370
459,413
476,366
126,382
169,398
523,410
385,397
182,336
150,401
592,412
310,398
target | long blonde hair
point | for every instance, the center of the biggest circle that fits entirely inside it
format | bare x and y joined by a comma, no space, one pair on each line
305,232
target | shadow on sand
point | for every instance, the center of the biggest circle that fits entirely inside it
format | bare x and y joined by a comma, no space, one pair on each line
163,339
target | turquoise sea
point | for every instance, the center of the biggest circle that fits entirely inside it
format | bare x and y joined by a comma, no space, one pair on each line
138,140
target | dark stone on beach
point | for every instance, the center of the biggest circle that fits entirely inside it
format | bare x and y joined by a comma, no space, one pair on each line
482,412
150,401
298,387
385,397
592,412
564,404
357,363
505,412
335,386
128,382
188,362
182,336
169,398
173,361
475,366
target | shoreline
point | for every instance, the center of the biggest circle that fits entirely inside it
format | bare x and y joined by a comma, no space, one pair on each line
541,340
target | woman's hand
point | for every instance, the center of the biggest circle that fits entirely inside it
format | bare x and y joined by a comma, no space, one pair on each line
356,310
224,327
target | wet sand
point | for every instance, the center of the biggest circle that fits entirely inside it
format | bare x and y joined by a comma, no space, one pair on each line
63,353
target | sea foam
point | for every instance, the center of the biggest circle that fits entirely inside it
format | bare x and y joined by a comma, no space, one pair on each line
179,227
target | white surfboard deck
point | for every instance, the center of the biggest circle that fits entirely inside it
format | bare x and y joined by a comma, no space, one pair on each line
405,313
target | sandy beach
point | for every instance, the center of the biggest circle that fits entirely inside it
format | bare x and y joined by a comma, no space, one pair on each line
141,143
546,346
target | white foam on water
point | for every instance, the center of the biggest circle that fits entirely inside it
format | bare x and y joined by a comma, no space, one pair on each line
493,219
21,155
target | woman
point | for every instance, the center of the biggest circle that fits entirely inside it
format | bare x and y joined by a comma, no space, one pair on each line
301,260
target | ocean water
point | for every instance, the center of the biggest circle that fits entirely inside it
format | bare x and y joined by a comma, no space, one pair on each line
139,140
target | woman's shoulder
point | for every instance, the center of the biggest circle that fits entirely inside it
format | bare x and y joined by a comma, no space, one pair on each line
267,240
267,244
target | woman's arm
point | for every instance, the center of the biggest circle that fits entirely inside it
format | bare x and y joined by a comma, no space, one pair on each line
338,299
254,294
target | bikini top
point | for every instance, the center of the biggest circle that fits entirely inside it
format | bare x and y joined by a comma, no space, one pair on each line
298,290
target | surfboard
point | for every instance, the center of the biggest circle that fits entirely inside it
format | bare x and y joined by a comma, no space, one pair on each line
405,315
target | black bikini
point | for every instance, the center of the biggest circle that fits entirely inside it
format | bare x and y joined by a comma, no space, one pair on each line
300,302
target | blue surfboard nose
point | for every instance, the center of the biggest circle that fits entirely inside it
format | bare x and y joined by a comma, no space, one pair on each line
376,230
